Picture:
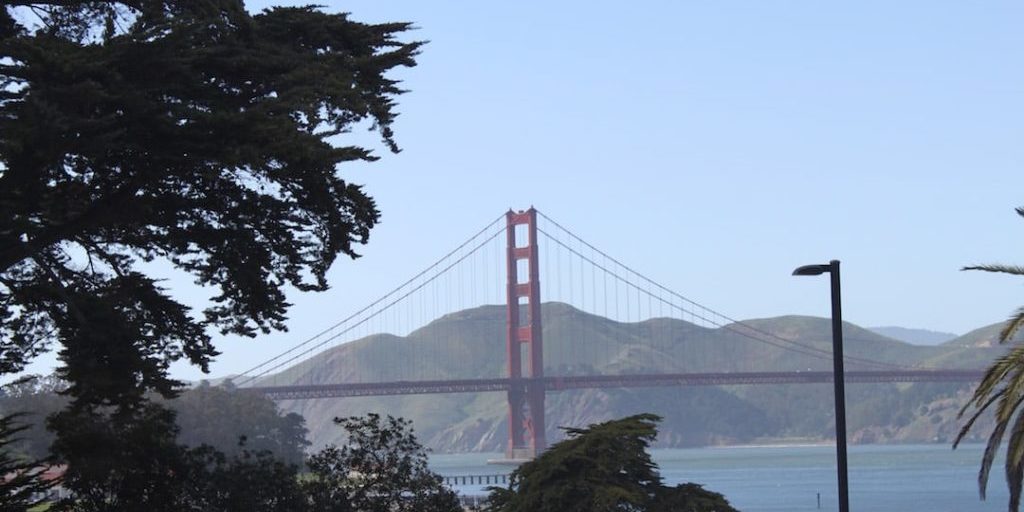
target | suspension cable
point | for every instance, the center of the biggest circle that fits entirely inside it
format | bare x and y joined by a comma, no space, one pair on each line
804,347
379,301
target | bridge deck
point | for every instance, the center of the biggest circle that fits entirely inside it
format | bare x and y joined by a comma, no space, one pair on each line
609,381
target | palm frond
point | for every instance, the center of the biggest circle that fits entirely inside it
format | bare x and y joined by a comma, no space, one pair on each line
990,454
1015,447
1014,478
996,374
974,417
1013,325
1011,399
1016,270
1014,460
1003,383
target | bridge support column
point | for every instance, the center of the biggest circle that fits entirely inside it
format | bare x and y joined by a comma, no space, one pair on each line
526,393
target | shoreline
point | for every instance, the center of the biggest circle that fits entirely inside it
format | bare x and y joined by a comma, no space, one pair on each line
780,444
765,444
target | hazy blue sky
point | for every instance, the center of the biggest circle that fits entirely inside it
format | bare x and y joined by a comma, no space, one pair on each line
713,146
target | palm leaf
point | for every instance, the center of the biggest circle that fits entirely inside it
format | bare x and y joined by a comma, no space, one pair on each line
974,417
1015,448
1001,269
1014,457
990,454
996,374
1008,370
1003,383
1012,326
1014,478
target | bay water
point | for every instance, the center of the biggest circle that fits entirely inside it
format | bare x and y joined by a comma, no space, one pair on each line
883,478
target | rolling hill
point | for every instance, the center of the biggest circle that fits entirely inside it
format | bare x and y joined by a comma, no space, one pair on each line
579,342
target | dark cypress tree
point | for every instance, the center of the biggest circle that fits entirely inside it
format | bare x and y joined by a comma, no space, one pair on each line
189,132
602,468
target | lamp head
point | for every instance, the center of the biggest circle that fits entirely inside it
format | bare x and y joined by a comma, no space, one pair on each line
812,270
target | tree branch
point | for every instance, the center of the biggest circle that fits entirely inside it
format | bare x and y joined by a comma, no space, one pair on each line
102,209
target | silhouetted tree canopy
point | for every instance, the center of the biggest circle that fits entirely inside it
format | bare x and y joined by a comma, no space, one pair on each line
187,132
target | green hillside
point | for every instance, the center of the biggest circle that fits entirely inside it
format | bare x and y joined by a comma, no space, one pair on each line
471,344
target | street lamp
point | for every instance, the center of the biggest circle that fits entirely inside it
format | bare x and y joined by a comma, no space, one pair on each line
837,374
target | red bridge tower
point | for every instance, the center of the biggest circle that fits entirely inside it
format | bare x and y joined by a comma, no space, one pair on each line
526,393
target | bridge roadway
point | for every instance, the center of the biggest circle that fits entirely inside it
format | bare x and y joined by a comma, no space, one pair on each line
306,392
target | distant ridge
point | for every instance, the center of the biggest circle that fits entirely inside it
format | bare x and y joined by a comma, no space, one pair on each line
914,336
987,336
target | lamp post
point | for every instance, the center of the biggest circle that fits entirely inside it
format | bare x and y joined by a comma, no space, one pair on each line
837,375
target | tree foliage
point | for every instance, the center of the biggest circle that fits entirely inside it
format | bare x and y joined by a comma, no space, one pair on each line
22,485
381,468
689,497
602,468
1002,386
33,398
187,132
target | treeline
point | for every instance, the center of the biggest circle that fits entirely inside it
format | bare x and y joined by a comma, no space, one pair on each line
216,448
224,418
382,467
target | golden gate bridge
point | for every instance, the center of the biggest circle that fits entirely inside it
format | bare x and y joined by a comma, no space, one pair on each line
410,340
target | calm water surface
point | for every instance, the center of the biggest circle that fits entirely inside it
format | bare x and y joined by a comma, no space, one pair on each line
776,479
